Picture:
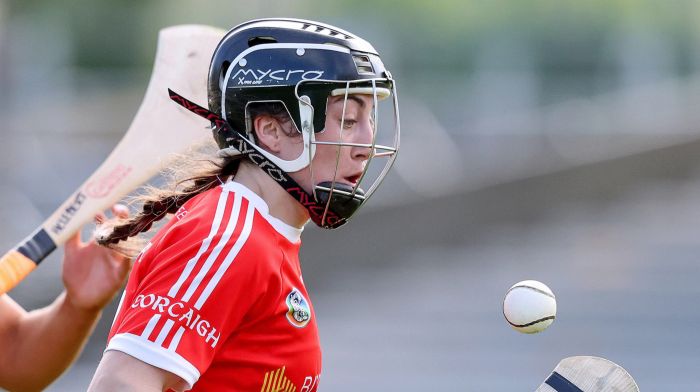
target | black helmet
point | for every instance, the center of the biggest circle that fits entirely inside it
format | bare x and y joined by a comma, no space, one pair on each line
300,64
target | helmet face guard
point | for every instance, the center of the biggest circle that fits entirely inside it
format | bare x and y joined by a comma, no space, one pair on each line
345,198
302,64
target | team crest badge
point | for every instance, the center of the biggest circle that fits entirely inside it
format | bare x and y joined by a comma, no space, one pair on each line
299,313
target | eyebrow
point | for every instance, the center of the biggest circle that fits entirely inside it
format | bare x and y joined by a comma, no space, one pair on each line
353,97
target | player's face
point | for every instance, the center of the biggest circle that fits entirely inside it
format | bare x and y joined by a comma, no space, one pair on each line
332,162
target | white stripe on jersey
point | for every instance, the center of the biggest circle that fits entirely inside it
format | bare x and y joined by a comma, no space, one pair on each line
225,237
200,278
164,332
176,339
240,241
149,327
218,216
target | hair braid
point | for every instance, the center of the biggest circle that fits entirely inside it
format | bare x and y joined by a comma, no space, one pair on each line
197,177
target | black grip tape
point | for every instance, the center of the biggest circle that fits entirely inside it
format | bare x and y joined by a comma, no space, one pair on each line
37,246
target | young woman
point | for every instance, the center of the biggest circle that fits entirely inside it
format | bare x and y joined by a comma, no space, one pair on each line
216,299
38,346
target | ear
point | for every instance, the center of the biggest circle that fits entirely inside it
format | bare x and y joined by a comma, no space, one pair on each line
268,131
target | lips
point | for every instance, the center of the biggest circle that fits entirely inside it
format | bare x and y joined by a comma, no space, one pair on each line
352,180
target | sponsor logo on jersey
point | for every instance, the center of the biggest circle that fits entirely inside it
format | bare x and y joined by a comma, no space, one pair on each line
246,77
276,381
299,313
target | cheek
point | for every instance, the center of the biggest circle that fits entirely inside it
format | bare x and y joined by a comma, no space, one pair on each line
324,157
331,131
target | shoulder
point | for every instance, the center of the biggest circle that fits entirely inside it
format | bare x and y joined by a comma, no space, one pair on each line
228,224
225,224
265,222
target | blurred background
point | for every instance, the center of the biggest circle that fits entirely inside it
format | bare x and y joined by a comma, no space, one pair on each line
548,140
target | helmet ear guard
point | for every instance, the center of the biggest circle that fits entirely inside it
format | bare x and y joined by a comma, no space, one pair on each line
290,166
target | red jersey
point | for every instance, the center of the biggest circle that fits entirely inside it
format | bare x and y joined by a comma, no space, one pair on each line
217,298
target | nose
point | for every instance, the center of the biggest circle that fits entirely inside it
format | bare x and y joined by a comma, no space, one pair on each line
363,135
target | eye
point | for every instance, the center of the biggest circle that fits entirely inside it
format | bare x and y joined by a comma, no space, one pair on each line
349,123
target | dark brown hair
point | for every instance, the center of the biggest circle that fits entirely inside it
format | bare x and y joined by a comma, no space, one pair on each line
188,176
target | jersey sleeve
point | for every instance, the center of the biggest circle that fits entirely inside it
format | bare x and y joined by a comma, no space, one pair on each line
191,288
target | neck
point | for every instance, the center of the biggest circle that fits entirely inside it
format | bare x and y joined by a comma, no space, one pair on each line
281,204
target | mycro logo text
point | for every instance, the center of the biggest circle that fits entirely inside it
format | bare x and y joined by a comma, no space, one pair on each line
259,76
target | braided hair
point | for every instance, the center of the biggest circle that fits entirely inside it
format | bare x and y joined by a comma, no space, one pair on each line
186,181
192,174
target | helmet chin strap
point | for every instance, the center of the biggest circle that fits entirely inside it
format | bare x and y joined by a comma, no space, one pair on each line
342,201
344,198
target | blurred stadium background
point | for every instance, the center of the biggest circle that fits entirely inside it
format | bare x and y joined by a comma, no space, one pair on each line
549,140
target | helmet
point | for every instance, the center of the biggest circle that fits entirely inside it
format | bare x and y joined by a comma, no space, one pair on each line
300,64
